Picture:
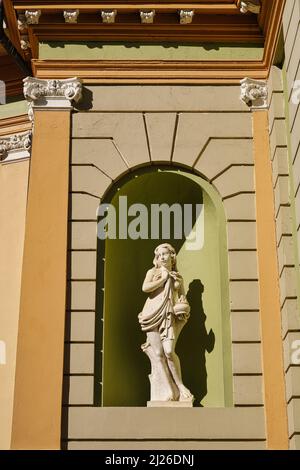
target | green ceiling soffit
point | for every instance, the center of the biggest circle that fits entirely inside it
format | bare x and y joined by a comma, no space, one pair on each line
134,51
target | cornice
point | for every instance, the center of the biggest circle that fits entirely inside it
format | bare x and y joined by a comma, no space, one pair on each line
206,21
14,87
205,27
150,71
216,6
14,125
272,23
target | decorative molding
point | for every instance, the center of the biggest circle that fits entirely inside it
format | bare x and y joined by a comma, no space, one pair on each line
32,16
124,7
14,87
25,43
55,94
15,147
28,18
235,30
254,93
138,71
14,125
30,113
253,6
22,23
108,16
71,16
139,32
147,16
186,16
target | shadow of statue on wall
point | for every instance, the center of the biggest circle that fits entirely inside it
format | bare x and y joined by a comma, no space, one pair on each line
193,342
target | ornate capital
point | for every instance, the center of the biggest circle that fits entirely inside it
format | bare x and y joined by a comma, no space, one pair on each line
15,147
71,16
254,6
186,16
147,16
32,16
108,16
254,93
52,93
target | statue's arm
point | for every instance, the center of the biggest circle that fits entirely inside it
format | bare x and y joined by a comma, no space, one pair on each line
181,290
149,285
180,287
178,283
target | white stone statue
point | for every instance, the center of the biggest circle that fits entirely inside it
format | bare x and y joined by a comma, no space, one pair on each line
164,314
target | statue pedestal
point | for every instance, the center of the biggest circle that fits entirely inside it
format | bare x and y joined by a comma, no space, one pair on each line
170,404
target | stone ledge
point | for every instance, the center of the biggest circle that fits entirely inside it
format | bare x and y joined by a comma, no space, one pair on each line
166,423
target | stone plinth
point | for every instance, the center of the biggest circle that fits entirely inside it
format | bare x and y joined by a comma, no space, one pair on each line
170,404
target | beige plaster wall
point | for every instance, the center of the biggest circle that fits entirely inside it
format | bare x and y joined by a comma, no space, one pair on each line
13,195
291,316
210,130
283,176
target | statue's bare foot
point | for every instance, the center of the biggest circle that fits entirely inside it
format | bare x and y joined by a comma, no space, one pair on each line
185,394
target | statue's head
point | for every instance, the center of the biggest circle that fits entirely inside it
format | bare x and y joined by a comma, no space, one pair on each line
165,254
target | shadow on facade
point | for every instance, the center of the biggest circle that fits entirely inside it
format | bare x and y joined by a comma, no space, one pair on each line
66,368
193,342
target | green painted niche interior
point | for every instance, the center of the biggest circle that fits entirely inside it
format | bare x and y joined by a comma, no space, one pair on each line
204,346
95,50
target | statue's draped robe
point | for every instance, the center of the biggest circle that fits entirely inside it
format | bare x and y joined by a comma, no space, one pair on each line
158,312
158,315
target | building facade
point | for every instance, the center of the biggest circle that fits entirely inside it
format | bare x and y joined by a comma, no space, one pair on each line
160,103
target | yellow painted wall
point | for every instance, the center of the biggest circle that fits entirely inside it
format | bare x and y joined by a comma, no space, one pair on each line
39,369
13,195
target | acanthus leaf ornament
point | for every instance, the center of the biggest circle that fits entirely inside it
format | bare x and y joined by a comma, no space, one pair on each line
35,88
22,23
15,143
71,16
254,93
147,16
253,6
108,16
186,16
25,44
32,16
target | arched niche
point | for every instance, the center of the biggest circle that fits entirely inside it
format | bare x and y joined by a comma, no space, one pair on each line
204,346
